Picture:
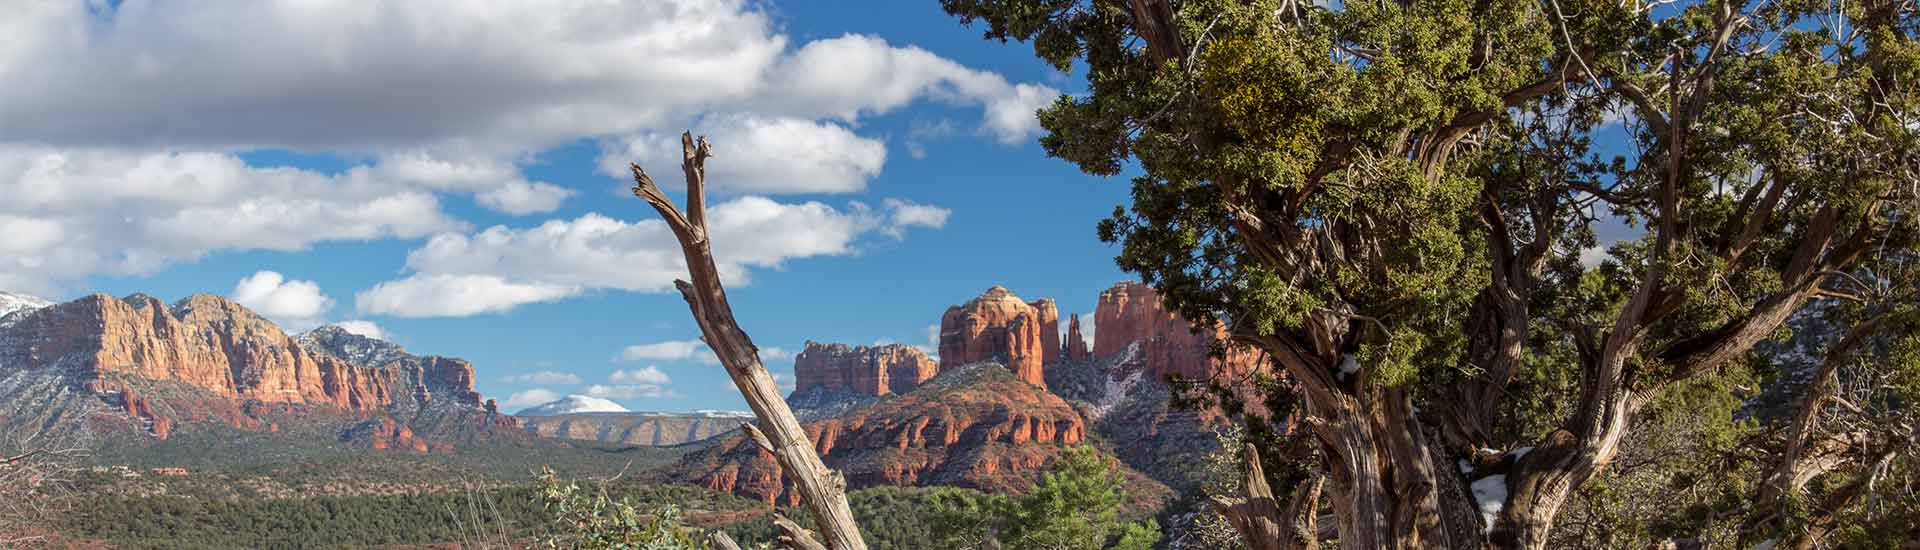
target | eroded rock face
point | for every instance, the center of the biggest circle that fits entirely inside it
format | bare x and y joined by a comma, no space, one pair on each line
863,370
432,375
384,433
995,326
1076,345
137,408
978,426
100,343
1049,330
1130,313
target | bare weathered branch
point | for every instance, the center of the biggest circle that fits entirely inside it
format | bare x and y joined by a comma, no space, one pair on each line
779,431
793,536
720,541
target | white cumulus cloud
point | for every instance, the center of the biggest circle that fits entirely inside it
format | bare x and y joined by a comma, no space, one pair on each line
645,375
529,398
441,295
502,267
69,214
362,327
670,350
124,121
854,75
903,214
758,155
520,197
295,305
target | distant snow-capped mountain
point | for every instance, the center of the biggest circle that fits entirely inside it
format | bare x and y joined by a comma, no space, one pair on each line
573,404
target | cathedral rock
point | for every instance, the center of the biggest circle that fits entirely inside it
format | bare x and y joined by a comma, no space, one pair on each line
997,326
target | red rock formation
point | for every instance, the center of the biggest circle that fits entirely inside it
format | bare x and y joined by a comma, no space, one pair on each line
384,433
1131,313
877,370
1049,330
1076,345
996,326
137,408
217,345
454,375
239,365
980,427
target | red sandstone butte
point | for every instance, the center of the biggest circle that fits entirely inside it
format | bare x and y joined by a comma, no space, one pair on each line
995,326
875,370
1130,313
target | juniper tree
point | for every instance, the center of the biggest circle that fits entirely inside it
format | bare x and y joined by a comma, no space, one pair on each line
1394,200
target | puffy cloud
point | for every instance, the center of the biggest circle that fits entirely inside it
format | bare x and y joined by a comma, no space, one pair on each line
529,398
545,377
352,75
363,328
297,305
495,184
904,214
759,155
388,74
855,75
502,267
440,295
784,381
671,350
519,197
775,355
73,213
628,391
646,375
431,97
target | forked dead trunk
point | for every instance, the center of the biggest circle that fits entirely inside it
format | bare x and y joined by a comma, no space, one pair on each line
823,491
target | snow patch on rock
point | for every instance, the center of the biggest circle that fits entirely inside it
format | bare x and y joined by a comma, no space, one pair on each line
12,302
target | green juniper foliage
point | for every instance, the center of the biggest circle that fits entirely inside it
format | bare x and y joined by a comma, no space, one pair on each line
1403,203
1075,506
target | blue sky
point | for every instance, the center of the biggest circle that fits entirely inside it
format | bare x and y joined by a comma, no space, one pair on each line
379,166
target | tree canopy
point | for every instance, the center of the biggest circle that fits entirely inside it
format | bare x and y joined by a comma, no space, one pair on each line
1495,233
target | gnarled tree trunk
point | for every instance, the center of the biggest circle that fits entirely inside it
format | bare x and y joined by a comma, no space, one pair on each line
1262,522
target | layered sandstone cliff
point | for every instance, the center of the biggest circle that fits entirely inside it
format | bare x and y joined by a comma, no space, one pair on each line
977,426
225,352
863,370
995,326
453,377
1132,322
